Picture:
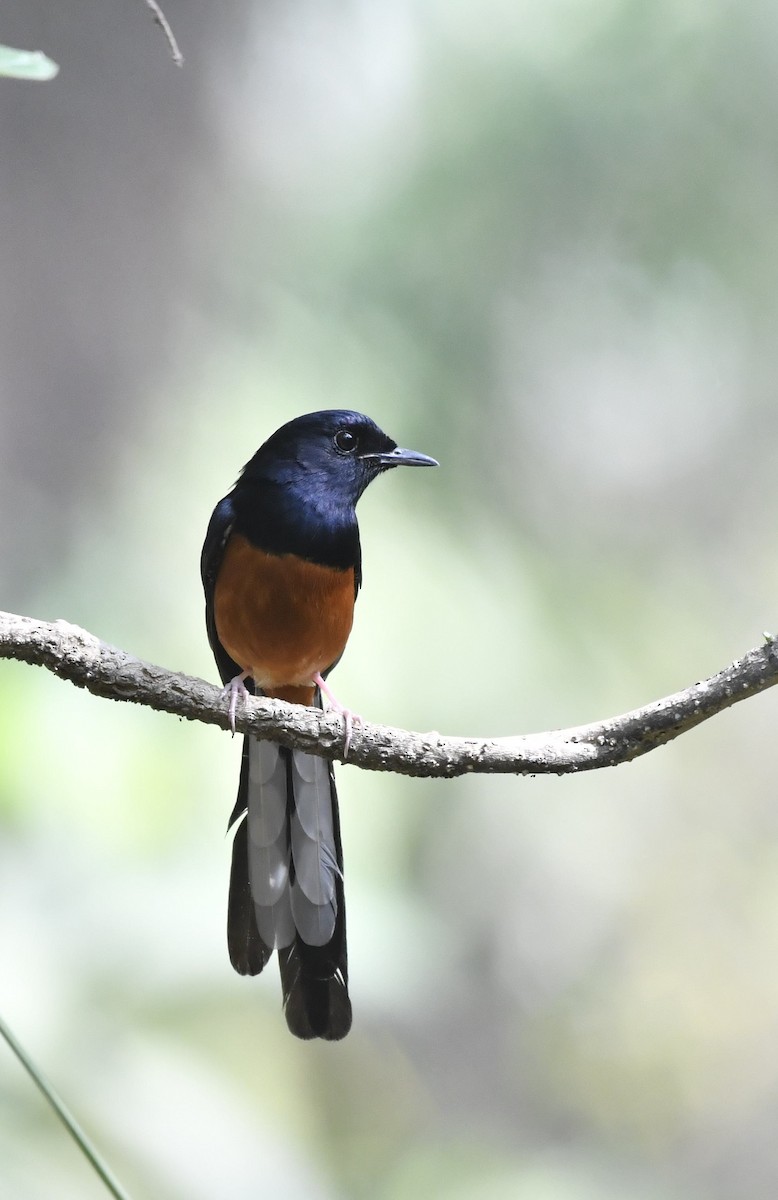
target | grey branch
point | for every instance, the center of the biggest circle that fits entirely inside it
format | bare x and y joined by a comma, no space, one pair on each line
164,25
84,660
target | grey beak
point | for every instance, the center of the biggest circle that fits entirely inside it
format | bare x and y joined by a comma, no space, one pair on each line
401,458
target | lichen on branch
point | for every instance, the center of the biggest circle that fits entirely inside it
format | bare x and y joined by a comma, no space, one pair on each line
82,659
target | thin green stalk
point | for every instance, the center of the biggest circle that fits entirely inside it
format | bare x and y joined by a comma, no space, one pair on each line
70,1123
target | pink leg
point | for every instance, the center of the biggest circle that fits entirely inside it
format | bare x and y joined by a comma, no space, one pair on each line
234,689
349,718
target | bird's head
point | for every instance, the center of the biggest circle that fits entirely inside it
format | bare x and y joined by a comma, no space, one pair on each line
337,452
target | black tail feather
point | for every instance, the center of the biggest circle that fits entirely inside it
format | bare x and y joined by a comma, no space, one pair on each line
315,1006
314,979
248,953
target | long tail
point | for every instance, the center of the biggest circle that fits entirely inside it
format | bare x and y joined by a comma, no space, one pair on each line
286,888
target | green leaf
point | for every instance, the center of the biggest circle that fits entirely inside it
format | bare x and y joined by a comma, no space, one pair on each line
26,64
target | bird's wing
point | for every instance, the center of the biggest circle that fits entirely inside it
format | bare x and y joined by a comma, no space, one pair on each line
219,530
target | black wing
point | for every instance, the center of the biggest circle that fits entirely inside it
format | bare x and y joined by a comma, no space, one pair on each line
219,530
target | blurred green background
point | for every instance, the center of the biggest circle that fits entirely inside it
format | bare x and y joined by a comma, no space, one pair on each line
538,242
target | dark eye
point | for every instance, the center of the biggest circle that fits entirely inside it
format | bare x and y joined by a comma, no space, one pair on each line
345,441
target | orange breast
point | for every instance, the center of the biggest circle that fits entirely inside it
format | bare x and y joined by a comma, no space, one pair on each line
282,619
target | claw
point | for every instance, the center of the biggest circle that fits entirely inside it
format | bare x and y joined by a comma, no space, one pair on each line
233,689
350,719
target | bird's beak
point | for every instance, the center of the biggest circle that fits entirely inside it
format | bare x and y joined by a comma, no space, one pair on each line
401,458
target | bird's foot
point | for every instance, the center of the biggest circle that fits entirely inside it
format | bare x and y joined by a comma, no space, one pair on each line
350,719
234,689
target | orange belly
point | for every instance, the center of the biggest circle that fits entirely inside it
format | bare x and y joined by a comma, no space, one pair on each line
282,619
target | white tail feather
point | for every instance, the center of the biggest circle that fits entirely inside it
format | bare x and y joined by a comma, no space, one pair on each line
313,850
276,924
268,844
309,906
267,785
315,923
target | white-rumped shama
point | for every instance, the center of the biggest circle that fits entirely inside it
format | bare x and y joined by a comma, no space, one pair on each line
281,568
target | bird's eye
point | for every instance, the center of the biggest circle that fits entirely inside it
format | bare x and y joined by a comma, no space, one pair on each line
345,441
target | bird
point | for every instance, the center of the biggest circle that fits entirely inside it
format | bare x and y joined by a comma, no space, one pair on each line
281,568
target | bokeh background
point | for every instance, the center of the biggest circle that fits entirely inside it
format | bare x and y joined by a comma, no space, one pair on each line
540,242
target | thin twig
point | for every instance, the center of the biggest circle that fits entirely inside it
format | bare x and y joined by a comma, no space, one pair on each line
164,25
78,656
66,1117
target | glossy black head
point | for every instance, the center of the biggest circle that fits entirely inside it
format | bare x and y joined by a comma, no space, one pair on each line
336,450
301,487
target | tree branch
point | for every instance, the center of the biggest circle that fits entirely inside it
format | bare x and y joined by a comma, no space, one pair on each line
84,660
